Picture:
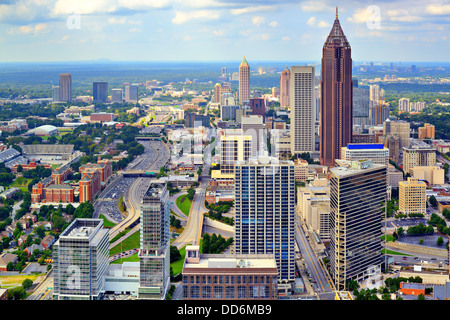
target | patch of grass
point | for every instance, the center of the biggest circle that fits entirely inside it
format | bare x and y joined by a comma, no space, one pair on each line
132,242
106,222
177,266
16,280
133,258
184,204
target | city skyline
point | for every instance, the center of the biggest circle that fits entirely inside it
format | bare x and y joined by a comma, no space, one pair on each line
212,30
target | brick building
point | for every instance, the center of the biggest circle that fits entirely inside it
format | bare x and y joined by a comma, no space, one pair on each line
89,185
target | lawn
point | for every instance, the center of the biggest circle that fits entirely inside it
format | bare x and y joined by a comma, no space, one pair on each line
132,242
15,281
177,266
106,222
184,204
21,183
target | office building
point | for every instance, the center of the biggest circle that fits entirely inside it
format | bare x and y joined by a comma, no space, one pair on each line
131,93
361,105
193,120
378,112
303,105
228,276
80,261
417,156
244,82
336,96
357,191
154,253
258,106
116,95
55,93
217,93
412,196
100,91
228,112
392,142
400,128
265,211
253,125
65,87
285,88
433,175
376,152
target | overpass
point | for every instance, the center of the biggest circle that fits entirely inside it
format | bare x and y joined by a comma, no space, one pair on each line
138,174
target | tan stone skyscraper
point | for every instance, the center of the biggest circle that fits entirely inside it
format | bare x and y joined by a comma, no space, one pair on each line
65,87
284,88
244,82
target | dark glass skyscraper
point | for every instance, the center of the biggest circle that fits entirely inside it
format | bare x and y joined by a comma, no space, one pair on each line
336,95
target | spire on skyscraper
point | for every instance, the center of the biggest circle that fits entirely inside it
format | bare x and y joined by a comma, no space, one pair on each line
337,36
244,61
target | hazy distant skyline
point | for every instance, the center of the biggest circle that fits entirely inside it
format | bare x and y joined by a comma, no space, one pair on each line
214,30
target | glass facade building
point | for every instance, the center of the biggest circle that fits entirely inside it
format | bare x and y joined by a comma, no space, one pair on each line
154,250
357,191
80,261
265,211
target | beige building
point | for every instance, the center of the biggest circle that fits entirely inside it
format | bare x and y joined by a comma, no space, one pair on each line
244,82
434,175
394,176
234,148
301,170
418,157
412,196
400,128
376,152
427,131
285,88
280,141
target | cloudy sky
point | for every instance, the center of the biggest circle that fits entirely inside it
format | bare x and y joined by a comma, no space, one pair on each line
68,30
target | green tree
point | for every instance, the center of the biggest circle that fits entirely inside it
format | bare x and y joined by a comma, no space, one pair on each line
27,283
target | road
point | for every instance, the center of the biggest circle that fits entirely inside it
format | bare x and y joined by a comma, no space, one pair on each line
194,225
319,279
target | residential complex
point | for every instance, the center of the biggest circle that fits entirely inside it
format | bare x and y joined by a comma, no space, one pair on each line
412,196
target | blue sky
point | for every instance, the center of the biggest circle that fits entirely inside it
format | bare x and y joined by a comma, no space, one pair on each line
67,30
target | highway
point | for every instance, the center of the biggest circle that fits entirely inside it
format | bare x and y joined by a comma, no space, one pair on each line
193,230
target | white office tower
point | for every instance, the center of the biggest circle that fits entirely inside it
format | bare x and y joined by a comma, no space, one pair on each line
80,261
265,211
154,253
303,106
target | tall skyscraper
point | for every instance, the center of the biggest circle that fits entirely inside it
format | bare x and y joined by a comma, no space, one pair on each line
234,148
154,253
55,93
244,82
217,88
303,105
80,261
65,87
357,191
100,91
265,211
336,95
285,88
131,93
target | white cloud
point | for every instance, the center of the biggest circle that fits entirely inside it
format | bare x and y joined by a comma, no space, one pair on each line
218,32
258,20
134,30
31,29
319,24
316,6
115,20
286,38
200,15
251,9
265,36
361,15
273,24
436,9
407,19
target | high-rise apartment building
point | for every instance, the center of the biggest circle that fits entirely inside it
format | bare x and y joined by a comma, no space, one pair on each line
80,261
217,93
302,105
357,191
100,91
412,196
234,148
55,93
244,82
65,87
336,95
285,88
427,131
154,253
265,211
418,157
